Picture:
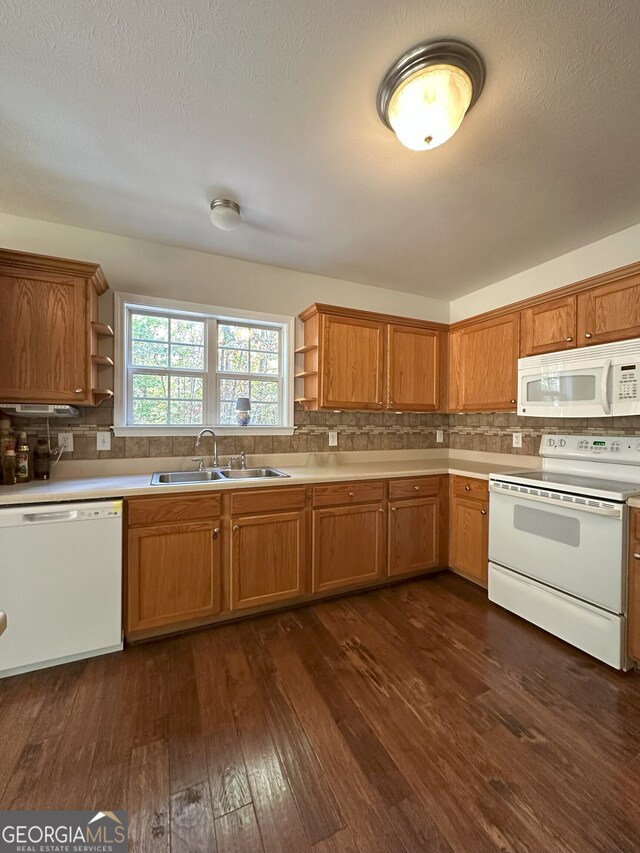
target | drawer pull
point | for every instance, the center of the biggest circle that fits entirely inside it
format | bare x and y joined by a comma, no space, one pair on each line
381,509
467,488
568,339
79,390
636,556
351,494
216,532
417,488
236,527
588,335
483,512
393,509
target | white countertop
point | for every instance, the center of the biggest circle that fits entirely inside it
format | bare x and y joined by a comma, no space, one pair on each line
315,468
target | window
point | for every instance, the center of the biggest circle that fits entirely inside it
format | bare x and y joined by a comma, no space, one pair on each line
185,369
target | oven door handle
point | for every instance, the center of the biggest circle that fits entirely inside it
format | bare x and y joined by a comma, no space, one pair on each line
604,387
613,512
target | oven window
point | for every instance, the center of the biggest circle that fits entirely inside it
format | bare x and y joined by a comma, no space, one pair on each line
548,525
562,389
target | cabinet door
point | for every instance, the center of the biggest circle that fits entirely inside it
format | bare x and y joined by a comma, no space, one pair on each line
548,327
413,365
469,537
413,542
484,365
43,340
267,558
173,573
352,363
610,312
348,546
634,585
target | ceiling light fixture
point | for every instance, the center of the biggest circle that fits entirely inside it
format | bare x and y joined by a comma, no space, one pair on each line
225,214
427,92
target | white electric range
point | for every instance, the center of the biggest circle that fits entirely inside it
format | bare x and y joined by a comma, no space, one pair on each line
558,541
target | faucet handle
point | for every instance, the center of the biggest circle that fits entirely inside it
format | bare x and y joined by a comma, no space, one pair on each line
200,461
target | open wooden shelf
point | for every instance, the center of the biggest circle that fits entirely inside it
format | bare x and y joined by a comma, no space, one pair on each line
101,394
306,399
305,373
105,360
301,350
103,329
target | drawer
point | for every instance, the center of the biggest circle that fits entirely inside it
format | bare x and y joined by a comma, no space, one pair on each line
414,487
174,508
470,487
249,501
634,526
348,493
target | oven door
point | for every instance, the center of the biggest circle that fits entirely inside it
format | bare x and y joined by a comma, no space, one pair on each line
564,390
571,543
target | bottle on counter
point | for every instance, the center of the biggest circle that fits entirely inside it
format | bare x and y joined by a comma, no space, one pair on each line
42,460
6,440
23,460
9,467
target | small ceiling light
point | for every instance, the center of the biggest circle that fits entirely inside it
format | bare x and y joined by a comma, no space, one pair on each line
427,92
225,214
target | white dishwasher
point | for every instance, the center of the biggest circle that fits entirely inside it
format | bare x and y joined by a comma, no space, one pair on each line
60,583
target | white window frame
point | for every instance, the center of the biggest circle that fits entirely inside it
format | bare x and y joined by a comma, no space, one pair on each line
124,303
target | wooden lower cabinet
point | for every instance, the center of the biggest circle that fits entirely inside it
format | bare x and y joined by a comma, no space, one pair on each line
348,546
469,529
268,557
413,536
173,574
633,620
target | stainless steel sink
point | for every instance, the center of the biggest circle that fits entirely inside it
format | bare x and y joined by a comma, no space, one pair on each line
167,478
250,473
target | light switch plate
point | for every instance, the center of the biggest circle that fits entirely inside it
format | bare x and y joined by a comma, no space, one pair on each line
517,439
103,440
333,438
439,436
65,440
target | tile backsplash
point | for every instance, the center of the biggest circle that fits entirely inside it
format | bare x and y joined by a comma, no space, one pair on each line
356,431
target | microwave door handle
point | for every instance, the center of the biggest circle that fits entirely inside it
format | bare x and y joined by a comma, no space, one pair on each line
604,387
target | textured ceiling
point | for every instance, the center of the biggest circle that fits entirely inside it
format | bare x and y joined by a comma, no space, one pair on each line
129,116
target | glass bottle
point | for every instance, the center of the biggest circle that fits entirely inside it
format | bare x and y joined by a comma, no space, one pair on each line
42,460
23,460
9,467
6,439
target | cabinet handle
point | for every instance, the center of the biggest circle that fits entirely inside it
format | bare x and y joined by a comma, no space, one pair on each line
236,527
636,556
588,335
483,512
79,390
216,532
568,339
379,402
351,494
381,509
393,509
467,488
417,488
513,401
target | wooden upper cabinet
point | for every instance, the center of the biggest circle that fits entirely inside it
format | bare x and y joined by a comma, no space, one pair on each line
413,369
610,312
549,327
351,363
49,330
484,365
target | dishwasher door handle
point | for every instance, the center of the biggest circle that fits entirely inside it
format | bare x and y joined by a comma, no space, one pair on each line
64,515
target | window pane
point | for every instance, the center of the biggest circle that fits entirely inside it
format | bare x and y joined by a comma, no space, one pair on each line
233,361
187,332
231,389
188,357
263,362
265,414
186,412
266,392
150,386
149,328
265,339
186,388
228,413
150,411
233,336
145,354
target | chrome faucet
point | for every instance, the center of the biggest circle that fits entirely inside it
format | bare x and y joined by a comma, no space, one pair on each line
214,458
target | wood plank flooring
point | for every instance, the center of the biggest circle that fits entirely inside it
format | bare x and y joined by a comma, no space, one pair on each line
414,719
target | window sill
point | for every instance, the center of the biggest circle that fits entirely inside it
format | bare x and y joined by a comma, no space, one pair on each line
144,431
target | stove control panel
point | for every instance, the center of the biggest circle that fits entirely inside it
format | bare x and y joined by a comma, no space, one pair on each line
614,448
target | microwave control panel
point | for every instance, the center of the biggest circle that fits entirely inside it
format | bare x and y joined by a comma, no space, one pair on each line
618,448
626,382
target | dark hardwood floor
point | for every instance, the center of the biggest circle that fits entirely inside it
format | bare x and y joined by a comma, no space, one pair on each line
409,719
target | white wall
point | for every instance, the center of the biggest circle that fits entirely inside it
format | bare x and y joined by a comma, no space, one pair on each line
141,267
617,250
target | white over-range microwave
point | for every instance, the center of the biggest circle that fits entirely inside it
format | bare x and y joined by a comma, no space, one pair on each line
590,382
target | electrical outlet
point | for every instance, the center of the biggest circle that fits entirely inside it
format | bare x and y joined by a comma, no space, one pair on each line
439,436
517,439
333,438
103,440
65,440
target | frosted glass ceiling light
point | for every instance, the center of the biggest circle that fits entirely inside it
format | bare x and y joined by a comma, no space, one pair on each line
427,92
225,214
